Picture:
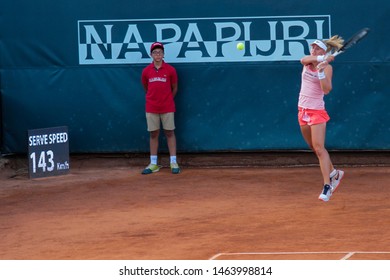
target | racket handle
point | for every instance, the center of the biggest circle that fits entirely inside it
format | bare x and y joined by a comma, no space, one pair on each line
337,53
334,54
327,55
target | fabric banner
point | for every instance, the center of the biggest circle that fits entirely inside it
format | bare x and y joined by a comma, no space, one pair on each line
78,64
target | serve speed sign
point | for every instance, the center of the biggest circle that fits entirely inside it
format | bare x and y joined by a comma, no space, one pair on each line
48,151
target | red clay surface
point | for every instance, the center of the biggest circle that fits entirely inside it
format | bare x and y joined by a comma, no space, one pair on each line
111,211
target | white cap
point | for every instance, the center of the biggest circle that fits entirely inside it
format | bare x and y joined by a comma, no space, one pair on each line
319,43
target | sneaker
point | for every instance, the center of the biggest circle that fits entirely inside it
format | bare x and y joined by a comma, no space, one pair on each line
336,179
175,168
326,193
151,168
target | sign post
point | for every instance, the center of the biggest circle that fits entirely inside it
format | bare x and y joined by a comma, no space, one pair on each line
48,152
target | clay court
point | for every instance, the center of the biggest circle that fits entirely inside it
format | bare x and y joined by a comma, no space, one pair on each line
224,206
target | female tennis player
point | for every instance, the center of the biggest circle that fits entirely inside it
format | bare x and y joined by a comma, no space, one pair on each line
312,116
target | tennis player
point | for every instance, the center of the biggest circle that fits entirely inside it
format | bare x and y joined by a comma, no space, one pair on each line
312,116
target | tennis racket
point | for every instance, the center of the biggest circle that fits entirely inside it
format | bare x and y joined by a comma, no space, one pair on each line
352,41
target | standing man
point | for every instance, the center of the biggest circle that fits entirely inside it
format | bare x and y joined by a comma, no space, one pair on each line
160,83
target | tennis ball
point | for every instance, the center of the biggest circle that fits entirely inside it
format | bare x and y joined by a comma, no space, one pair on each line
240,46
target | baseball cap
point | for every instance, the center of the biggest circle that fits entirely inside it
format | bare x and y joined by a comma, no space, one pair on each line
156,45
321,44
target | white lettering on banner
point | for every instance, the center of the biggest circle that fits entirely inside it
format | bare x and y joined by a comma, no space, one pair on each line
278,38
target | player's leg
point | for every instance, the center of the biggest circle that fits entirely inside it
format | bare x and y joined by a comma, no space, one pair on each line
318,146
335,176
318,132
306,133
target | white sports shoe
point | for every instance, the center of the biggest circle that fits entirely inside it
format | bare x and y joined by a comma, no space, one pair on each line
326,193
336,179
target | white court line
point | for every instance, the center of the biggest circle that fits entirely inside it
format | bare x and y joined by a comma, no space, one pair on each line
346,257
350,254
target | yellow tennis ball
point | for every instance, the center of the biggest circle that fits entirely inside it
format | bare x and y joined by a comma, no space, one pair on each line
240,46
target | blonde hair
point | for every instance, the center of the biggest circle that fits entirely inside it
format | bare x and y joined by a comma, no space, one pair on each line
334,43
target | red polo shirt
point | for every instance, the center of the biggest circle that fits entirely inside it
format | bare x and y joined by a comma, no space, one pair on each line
159,97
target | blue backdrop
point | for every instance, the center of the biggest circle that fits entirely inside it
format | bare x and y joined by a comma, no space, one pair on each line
78,64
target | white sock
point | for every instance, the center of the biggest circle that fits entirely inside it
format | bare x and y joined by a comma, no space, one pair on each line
153,159
333,173
173,159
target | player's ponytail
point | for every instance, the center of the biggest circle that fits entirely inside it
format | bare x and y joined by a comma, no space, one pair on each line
334,43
